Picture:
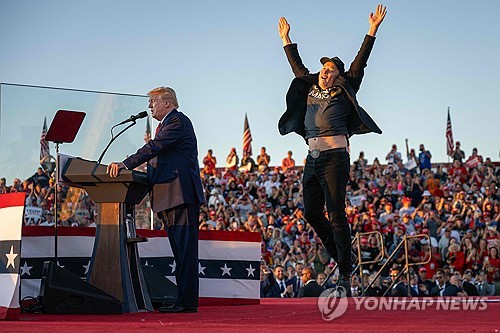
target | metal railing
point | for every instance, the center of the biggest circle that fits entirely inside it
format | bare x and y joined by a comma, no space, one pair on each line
360,263
378,259
381,257
406,268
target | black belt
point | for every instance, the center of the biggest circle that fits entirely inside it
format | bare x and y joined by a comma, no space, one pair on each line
315,153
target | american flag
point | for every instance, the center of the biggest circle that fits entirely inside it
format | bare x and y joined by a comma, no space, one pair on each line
11,222
449,135
247,138
44,145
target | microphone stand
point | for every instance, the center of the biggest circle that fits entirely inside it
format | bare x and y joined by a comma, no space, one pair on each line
113,138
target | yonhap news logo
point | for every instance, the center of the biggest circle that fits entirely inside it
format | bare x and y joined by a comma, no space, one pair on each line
333,303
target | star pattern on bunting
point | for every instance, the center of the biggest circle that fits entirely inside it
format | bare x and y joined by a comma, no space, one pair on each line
86,267
250,270
226,270
11,257
25,269
173,265
201,269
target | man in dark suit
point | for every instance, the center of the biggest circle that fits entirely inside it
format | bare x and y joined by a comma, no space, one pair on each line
440,284
276,285
482,285
176,193
310,287
455,287
399,288
296,280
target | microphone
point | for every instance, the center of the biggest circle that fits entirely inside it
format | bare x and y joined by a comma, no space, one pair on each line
142,114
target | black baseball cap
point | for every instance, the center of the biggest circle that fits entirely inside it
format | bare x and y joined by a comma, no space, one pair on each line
336,60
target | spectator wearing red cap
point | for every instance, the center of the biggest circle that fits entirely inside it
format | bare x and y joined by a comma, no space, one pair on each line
407,207
424,278
409,224
212,220
386,215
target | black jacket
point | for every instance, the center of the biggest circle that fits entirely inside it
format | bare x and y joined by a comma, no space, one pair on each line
312,289
296,98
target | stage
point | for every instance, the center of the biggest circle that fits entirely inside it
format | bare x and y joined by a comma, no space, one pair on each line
299,315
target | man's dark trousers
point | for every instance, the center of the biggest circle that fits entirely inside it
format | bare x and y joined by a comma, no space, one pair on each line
325,180
181,224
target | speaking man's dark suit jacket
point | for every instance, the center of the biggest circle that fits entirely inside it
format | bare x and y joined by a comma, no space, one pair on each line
176,195
173,164
311,289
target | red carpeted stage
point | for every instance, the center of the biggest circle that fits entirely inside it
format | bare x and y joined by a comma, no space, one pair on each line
299,315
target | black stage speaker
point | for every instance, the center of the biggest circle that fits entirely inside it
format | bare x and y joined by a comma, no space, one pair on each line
160,289
62,292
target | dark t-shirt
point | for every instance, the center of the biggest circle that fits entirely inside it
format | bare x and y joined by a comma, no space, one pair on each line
327,112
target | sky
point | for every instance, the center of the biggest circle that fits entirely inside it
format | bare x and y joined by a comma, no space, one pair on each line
225,58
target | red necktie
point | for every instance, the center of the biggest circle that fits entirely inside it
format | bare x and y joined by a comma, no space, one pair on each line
157,129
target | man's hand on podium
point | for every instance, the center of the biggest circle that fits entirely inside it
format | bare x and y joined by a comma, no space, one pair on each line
114,168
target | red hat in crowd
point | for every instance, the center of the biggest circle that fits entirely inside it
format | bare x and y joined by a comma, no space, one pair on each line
389,229
422,269
212,212
286,218
406,199
364,240
425,231
402,227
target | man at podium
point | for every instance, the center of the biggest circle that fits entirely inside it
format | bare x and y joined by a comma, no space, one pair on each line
176,193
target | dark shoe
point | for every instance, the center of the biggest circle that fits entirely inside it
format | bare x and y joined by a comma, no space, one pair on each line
344,281
177,309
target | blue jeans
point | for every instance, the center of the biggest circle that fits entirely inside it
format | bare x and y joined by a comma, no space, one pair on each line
324,181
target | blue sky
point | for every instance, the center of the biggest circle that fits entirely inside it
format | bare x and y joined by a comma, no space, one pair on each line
225,59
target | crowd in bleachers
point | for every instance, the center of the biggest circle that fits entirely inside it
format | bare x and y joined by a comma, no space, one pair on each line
456,205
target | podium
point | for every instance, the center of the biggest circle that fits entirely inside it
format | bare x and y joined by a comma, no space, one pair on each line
114,267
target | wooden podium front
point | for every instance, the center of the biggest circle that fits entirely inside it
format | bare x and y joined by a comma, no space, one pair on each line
115,266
